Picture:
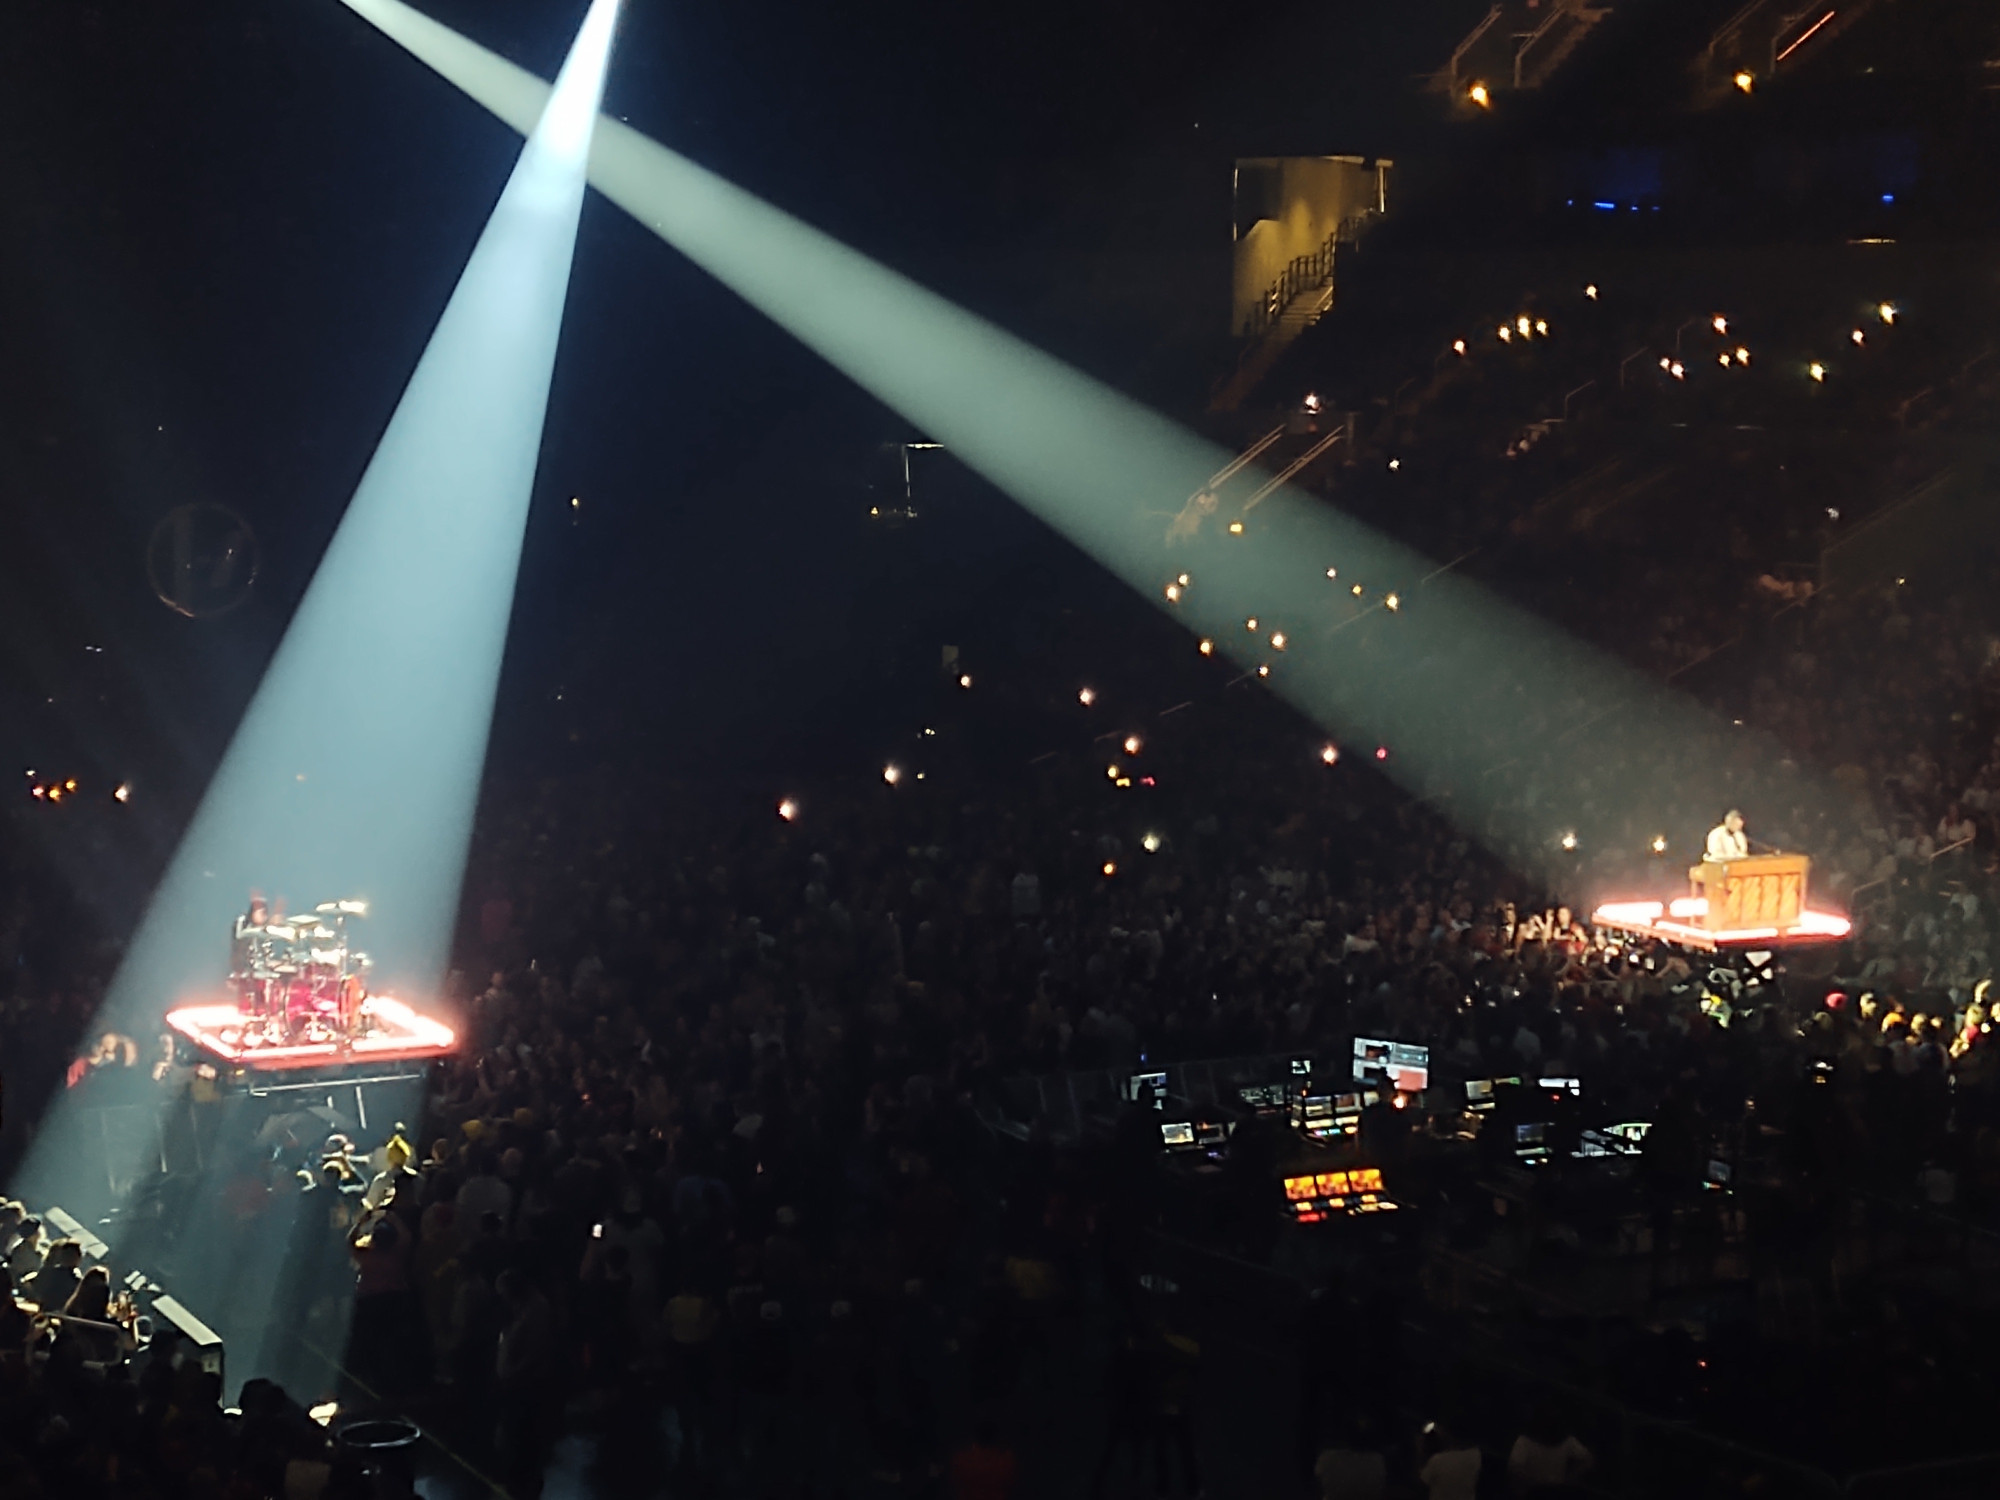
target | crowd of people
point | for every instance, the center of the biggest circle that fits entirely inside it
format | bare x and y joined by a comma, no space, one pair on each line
715,1179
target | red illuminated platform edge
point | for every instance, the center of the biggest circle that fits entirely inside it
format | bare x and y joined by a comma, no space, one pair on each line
394,1033
1683,921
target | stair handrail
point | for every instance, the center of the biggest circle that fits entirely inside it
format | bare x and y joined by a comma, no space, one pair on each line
1733,27
1562,9
1449,74
1306,273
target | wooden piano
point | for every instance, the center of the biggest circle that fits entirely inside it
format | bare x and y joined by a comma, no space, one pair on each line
1765,890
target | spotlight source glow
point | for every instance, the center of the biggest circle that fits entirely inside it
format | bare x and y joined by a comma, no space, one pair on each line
1133,744
1330,754
1086,696
1150,843
892,773
788,809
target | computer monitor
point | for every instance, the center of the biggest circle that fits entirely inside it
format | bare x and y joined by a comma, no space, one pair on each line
1478,1093
1177,1135
1135,1088
1531,1142
1719,1174
1571,1086
1401,1065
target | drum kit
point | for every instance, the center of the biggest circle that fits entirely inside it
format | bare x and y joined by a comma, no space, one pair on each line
297,979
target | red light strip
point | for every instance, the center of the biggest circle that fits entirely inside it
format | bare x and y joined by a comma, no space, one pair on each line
1803,39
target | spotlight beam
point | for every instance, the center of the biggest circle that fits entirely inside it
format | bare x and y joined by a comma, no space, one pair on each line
356,767
1479,699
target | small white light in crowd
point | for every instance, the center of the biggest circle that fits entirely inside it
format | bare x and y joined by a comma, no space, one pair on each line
1678,370
1312,403
892,774
1660,843
1391,602
1886,312
1251,623
1150,843
1816,371
1133,744
1355,591
1333,572
1743,356
1236,528
1666,363
124,792
1264,670
1858,336
1523,324
1330,754
1458,346
1591,291
874,510
1480,95
1086,696
1173,593
1113,771
1110,868
1723,360
1395,463
1745,81
965,679
1833,513
1207,647
1899,583
1506,334
788,809
1719,323
1569,841
1184,581
1277,640
324,1413
1542,327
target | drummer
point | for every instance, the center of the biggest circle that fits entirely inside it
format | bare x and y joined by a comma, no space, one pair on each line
248,934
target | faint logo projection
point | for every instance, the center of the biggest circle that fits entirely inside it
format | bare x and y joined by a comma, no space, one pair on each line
202,560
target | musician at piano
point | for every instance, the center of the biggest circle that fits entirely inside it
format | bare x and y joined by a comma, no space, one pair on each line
1727,840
